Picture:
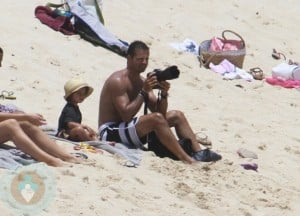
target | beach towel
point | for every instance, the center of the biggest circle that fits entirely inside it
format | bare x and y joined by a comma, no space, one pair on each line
12,158
283,83
134,156
91,29
93,7
58,23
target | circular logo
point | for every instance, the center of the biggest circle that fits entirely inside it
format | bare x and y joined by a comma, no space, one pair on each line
28,189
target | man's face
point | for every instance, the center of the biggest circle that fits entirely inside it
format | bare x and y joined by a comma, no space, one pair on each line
140,60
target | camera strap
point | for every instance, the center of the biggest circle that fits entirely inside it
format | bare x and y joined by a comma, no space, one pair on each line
146,100
145,106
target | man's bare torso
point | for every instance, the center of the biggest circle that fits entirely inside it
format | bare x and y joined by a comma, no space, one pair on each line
117,84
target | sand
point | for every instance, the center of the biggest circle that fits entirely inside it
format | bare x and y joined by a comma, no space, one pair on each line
257,116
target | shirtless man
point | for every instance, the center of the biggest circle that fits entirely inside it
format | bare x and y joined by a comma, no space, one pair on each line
123,95
22,129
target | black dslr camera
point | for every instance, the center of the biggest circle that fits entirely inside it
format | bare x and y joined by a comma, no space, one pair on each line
169,73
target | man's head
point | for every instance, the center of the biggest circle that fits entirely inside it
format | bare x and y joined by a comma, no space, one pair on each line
137,56
1,56
135,45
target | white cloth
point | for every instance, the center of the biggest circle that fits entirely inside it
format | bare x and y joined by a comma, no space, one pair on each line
101,31
286,71
187,45
230,71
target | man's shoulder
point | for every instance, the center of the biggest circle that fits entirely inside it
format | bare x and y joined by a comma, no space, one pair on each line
117,77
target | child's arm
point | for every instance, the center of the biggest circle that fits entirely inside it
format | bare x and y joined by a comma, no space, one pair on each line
89,129
72,125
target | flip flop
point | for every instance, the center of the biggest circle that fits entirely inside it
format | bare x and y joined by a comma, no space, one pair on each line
291,62
257,73
7,95
277,55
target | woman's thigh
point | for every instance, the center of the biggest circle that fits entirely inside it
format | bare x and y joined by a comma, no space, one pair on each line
6,130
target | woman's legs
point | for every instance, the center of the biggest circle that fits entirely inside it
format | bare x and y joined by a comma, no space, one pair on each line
11,130
43,141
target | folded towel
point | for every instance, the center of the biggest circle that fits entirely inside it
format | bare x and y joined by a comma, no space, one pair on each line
58,23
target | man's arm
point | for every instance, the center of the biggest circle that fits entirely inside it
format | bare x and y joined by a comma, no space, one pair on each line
125,107
160,104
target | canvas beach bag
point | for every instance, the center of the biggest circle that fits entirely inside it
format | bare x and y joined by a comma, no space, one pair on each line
217,49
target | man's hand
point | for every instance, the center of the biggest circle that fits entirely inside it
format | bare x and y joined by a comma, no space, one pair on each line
150,82
164,86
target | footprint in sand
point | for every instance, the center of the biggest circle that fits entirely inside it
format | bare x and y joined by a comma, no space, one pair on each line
68,173
55,62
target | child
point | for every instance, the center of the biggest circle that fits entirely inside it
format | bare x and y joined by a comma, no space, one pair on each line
69,125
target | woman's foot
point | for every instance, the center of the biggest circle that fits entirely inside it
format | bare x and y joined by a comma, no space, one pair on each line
55,162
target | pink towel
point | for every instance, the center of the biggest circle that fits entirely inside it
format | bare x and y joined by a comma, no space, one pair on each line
284,83
219,44
224,67
60,23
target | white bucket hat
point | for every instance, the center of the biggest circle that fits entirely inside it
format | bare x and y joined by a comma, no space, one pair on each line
74,85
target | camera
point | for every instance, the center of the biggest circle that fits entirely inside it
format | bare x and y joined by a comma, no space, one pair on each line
169,73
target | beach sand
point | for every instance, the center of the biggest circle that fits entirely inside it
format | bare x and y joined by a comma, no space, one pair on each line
253,115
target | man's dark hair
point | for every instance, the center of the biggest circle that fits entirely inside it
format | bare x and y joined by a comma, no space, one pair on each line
136,45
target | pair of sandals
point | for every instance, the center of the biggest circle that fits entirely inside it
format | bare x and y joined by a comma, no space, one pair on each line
7,95
257,72
277,55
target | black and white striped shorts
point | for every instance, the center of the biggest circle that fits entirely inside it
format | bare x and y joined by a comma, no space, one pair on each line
122,132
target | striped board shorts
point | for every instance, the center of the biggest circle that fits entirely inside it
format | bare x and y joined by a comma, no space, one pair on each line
122,132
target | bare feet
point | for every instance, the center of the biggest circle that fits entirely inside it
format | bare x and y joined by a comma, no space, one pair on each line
56,162
189,160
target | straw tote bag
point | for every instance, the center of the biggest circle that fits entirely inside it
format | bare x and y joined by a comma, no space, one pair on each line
236,57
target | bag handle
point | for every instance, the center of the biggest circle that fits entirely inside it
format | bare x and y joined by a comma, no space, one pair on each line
236,34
